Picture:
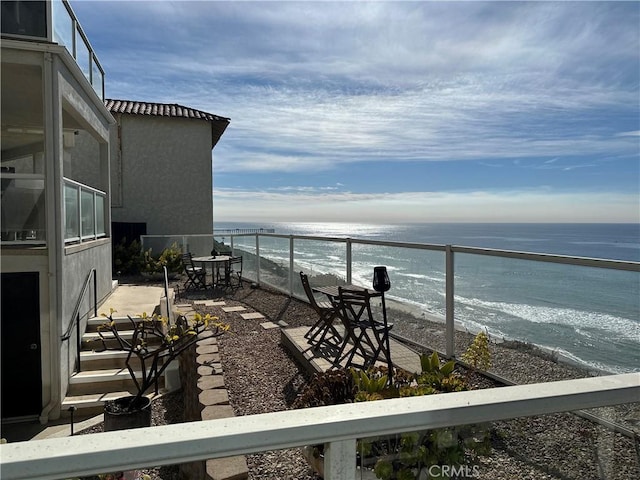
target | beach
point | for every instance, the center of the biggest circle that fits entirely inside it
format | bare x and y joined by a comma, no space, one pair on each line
588,316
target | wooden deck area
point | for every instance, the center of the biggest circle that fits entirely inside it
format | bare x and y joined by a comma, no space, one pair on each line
318,361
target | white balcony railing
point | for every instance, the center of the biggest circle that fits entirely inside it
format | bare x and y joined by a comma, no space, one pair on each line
23,209
84,212
337,427
275,259
54,21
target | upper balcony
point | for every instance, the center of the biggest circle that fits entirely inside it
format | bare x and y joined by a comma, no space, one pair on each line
53,21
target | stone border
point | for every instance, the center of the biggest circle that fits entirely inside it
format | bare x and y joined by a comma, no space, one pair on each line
206,398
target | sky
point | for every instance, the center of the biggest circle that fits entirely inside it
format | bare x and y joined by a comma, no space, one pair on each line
394,112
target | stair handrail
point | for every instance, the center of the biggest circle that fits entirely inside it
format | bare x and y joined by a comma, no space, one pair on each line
75,316
166,294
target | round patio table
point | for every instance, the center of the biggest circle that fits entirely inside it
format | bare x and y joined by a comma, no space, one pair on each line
215,263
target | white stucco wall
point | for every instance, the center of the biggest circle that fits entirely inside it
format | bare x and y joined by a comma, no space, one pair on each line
68,102
164,170
77,261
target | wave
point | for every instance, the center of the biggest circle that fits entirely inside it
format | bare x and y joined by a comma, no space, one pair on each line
418,276
603,323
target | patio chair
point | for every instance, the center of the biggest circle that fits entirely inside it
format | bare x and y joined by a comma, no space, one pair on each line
196,276
366,339
234,270
322,331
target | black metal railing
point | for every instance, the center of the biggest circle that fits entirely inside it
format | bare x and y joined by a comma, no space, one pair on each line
75,316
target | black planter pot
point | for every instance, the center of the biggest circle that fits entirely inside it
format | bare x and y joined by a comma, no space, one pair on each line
118,415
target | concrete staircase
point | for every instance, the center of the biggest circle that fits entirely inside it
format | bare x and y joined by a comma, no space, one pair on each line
104,374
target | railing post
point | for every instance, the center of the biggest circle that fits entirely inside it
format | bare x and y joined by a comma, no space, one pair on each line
258,258
78,342
95,293
340,460
449,301
348,260
291,265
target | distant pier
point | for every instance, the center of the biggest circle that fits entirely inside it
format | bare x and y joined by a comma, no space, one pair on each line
238,231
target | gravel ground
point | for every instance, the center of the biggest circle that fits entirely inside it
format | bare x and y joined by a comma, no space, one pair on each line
262,377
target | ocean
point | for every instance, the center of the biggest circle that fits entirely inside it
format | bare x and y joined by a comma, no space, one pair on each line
588,315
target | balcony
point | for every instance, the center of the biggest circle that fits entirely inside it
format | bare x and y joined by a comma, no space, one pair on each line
33,20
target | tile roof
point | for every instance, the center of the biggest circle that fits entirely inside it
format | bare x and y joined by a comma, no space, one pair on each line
218,124
159,109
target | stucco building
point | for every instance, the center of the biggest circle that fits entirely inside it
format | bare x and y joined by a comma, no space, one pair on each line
55,203
161,168
66,165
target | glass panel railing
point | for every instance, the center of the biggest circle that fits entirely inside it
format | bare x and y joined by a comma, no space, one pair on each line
68,32
87,213
63,28
198,245
71,213
493,450
23,209
83,57
100,220
324,262
246,246
159,243
590,448
84,209
97,77
521,303
274,262
29,19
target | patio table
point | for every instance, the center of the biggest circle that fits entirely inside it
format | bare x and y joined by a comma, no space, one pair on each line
215,263
364,338
332,291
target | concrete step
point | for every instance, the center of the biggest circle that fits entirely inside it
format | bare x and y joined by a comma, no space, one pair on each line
89,404
90,360
123,323
92,404
93,340
103,381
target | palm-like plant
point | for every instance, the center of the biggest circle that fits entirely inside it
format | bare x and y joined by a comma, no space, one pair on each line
154,344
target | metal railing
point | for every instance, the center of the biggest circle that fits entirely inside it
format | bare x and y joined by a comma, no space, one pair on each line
287,263
76,316
275,259
55,21
68,32
337,427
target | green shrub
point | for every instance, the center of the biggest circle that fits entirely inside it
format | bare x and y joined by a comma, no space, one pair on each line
127,259
478,355
170,257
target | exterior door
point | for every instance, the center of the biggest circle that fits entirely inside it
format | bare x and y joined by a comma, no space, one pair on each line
20,331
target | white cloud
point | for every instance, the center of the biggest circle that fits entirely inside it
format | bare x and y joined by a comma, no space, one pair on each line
316,86
535,205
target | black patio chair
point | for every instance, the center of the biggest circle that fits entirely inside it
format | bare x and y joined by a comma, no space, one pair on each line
323,330
196,276
234,271
366,339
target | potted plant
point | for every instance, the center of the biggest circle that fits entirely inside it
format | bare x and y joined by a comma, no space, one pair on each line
155,343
